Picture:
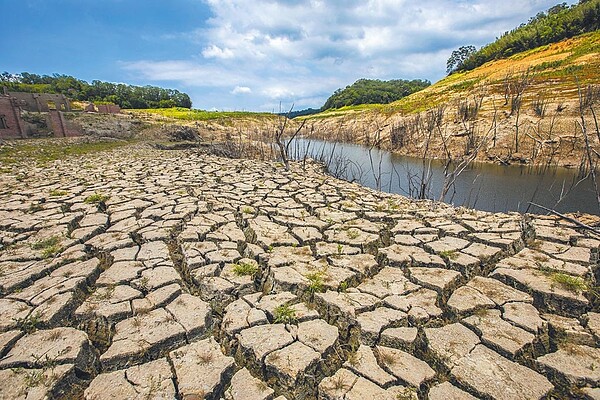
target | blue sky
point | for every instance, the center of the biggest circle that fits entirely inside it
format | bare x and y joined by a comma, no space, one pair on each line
250,55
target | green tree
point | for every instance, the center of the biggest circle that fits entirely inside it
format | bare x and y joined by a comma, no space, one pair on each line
458,58
373,91
560,22
126,96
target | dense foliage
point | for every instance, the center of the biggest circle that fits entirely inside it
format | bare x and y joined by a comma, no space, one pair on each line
558,23
126,96
374,91
458,58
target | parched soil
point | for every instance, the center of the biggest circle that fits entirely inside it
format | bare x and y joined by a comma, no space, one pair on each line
137,273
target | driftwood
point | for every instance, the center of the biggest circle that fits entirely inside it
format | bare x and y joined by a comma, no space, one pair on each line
565,217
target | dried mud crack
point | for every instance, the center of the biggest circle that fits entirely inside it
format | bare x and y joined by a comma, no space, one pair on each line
144,274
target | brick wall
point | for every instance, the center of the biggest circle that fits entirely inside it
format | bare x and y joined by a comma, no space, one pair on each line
57,124
108,108
11,118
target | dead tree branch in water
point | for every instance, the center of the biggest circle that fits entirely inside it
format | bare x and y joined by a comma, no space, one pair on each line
567,218
516,89
588,147
453,168
279,138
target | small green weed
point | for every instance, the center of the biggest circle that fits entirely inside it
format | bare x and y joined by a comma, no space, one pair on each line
339,383
352,234
392,205
407,394
316,281
50,247
35,378
284,314
50,252
143,283
449,254
387,357
29,324
343,286
103,294
58,193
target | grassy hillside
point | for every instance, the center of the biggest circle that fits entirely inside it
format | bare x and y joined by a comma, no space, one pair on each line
554,67
185,114
472,104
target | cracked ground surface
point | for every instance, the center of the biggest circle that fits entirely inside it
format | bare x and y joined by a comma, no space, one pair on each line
146,274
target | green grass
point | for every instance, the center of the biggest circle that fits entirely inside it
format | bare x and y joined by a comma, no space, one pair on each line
42,244
96,198
44,151
245,269
58,193
50,247
343,111
352,234
570,283
186,114
465,85
449,254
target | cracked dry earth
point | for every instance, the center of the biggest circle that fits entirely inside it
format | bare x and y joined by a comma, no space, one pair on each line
141,274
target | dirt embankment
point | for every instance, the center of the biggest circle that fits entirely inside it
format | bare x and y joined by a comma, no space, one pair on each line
493,135
538,107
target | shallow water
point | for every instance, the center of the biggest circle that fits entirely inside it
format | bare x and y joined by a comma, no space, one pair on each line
482,186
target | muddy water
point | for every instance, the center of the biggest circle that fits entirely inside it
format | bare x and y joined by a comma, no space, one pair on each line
482,186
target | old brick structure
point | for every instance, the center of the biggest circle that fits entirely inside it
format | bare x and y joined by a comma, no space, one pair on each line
41,102
50,108
108,109
11,125
103,108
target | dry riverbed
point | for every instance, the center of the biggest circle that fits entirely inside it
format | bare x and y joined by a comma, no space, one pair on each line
140,274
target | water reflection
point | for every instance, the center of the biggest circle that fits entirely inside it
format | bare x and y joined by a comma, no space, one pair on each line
482,186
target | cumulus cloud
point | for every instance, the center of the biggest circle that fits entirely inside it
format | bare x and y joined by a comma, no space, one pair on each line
217,52
241,90
302,50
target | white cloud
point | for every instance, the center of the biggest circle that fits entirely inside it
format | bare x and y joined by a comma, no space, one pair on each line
217,52
241,90
300,51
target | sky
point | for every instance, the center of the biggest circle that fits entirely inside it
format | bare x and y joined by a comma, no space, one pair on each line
259,55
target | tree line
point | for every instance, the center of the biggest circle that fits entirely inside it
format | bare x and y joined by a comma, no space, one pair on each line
373,91
126,96
558,23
